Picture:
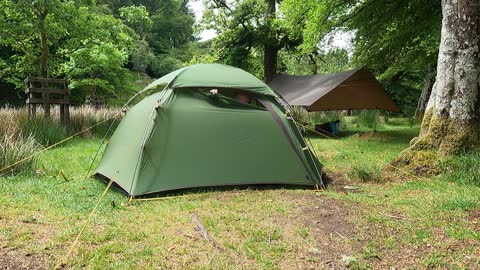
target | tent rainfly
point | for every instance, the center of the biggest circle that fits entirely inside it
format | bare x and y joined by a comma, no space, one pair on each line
350,90
195,132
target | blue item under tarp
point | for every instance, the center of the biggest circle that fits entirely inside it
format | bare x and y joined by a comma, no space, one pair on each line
333,127
329,127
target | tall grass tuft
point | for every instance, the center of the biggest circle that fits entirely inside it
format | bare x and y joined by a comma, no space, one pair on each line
45,131
14,143
369,119
300,114
21,136
10,121
87,116
327,116
14,148
365,173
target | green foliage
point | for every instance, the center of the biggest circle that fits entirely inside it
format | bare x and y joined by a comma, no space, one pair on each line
93,67
311,21
163,65
400,40
404,93
136,17
72,29
242,32
297,63
141,56
90,43
368,119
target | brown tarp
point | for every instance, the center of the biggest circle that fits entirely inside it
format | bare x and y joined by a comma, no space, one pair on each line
350,90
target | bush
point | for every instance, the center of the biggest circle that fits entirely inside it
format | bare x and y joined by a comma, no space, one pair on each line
369,119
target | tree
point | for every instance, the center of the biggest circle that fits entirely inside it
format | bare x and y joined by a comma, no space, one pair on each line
62,38
297,63
271,44
452,121
162,29
249,34
397,40
138,18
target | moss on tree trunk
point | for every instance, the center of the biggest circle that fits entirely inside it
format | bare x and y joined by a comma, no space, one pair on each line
439,137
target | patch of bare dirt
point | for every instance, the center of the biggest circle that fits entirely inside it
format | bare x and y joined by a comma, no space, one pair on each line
338,182
474,215
17,260
330,223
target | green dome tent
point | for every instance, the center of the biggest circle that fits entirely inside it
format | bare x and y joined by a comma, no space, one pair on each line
194,133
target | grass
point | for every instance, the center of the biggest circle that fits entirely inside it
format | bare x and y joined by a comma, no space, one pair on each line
402,222
22,136
369,119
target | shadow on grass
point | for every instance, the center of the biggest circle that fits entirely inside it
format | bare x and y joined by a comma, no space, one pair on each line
206,189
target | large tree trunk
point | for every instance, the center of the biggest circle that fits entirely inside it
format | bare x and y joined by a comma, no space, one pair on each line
452,120
426,92
271,45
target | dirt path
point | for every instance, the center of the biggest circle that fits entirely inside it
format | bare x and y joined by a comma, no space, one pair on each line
19,260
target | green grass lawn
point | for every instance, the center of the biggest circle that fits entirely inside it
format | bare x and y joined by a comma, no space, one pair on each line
405,222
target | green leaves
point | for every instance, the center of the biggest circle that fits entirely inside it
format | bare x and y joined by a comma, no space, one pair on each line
136,17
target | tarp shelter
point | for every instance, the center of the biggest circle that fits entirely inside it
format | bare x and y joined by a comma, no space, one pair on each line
194,133
350,90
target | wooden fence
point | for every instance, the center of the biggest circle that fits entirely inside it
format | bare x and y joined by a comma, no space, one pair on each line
47,92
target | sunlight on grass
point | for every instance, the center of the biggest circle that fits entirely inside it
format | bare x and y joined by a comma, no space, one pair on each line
41,213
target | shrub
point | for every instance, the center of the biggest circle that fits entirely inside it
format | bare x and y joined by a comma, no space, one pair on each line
368,119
